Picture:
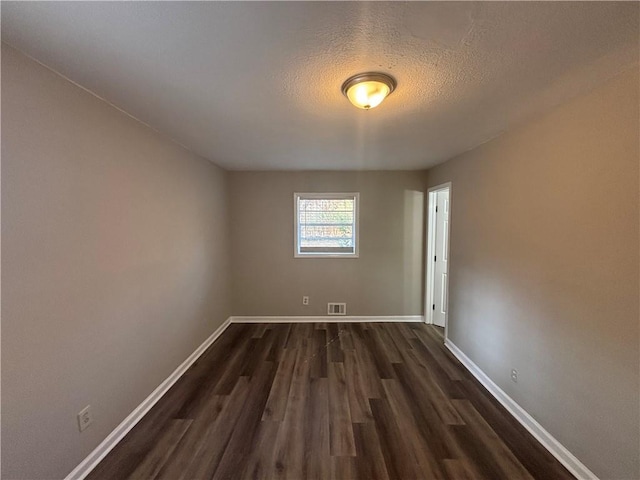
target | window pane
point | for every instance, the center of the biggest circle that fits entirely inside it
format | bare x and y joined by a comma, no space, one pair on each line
326,236
320,218
326,225
326,204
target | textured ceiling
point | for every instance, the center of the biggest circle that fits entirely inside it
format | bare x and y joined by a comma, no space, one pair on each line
257,85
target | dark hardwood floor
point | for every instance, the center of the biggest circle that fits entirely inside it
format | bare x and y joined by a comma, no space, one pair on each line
328,401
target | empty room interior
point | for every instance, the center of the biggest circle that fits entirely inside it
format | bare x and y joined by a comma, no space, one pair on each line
320,240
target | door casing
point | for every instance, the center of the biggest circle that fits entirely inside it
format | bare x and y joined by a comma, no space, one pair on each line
430,244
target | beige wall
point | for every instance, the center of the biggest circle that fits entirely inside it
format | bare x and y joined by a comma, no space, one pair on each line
385,280
544,270
115,265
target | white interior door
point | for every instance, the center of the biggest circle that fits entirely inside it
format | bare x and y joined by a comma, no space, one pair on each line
441,258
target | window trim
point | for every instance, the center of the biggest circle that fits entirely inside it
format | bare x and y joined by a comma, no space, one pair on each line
329,196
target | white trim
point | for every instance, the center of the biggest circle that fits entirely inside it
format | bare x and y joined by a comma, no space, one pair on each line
92,460
564,456
328,319
321,195
428,270
430,244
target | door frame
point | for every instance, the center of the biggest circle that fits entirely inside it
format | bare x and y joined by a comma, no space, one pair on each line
430,244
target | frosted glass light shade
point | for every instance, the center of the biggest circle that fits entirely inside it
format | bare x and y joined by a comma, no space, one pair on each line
368,90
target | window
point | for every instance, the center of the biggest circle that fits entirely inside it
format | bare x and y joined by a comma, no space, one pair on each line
326,224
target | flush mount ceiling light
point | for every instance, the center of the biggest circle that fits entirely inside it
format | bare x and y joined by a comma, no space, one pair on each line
368,90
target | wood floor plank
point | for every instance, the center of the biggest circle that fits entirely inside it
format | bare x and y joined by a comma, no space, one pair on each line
257,353
334,342
420,449
319,360
406,331
328,401
381,335
400,341
234,365
317,461
290,442
369,372
207,378
531,454
503,463
369,460
243,437
346,341
259,330
153,462
427,337
343,468
208,458
424,357
280,337
299,334
379,353
427,387
428,422
342,443
188,451
458,469
279,394
359,389
259,463
397,456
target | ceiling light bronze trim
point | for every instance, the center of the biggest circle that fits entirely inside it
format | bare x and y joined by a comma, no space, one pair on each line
368,77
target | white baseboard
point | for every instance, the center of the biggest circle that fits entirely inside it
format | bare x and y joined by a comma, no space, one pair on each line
328,319
564,456
89,463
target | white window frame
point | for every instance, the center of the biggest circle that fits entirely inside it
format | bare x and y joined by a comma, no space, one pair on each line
328,196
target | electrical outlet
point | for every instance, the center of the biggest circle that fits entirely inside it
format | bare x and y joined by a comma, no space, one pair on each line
514,375
305,300
85,418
